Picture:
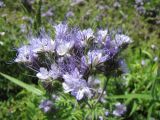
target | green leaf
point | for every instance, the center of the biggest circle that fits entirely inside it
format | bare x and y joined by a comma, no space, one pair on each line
148,54
133,108
131,96
23,85
150,111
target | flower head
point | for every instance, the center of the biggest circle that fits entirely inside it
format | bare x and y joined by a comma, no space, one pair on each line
76,85
73,57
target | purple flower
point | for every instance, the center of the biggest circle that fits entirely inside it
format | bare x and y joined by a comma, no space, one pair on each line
61,30
83,64
121,40
42,44
63,47
100,118
101,36
2,4
88,33
67,64
70,14
49,13
102,33
55,72
43,74
74,76
106,113
123,66
120,109
93,82
76,85
46,105
74,57
25,54
63,40
95,57
85,35
141,10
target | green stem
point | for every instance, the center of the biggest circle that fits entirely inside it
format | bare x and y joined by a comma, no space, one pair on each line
88,104
104,88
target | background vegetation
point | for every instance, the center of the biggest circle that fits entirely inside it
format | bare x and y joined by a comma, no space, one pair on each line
139,89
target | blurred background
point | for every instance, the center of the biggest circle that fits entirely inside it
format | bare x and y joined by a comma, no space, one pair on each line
139,19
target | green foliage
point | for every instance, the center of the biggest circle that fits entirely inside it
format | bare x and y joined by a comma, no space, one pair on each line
23,106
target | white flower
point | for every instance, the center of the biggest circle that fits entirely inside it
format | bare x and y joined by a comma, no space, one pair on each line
143,62
2,33
154,47
155,59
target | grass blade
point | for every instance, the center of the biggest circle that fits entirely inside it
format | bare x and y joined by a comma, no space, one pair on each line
23,85
131,96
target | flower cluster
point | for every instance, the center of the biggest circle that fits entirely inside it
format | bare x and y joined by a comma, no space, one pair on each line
72,57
